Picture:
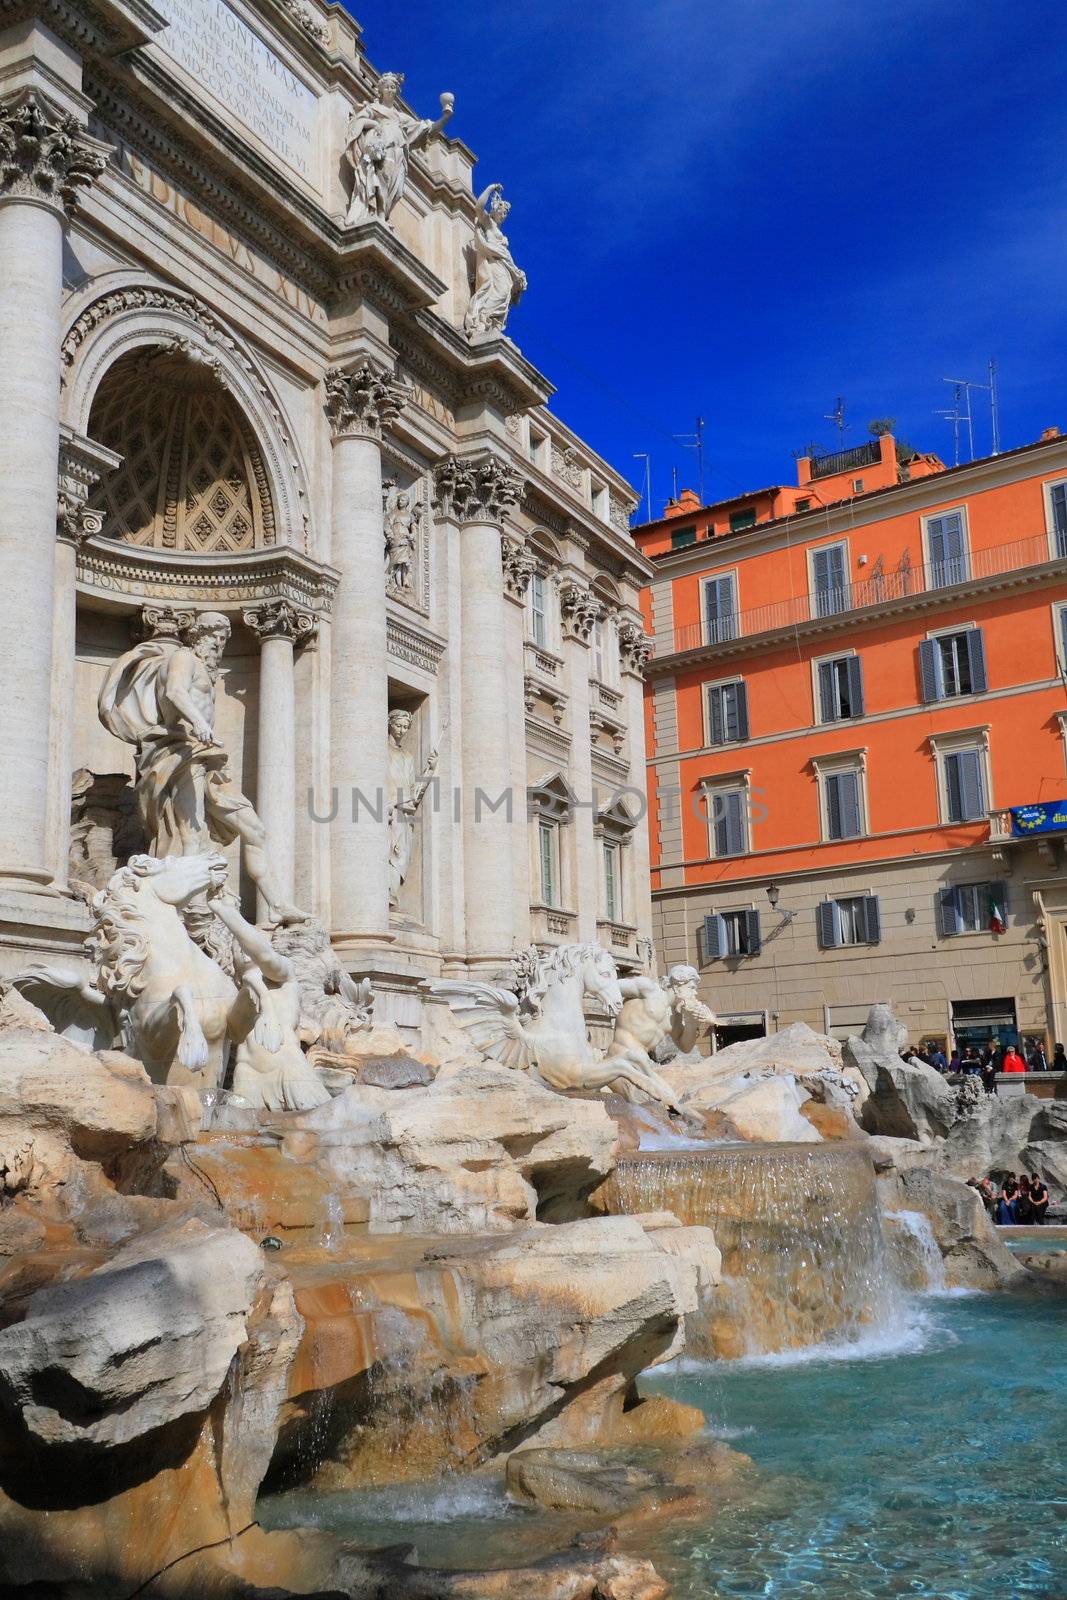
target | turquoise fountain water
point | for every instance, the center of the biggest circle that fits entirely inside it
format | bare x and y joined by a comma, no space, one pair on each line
937,1469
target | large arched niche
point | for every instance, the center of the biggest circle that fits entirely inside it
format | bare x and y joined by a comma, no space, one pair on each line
210,466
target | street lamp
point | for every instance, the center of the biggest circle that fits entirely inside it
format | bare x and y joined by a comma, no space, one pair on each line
772,895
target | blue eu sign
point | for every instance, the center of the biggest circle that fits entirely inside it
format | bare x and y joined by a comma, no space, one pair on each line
1050,817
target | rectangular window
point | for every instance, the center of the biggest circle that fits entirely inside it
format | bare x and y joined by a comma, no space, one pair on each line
946,545
1057,497
727,713
964,786
598,651
841,803
803,505
1060,617
726,810
548,845
829,579
539,609
971,908
731,933
681,537
720,608
612,882
853,920
538,448
742,519
953,664
840,689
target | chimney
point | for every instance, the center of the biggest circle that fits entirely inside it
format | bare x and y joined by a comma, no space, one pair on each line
1049,433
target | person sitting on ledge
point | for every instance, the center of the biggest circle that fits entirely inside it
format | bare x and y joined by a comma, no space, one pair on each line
1038,1199
1036,1059
1013,1061
988,1069
1059,1058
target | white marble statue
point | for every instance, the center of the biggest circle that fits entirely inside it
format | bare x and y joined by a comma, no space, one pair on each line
407,790
498,283
160,697
378,143
656,1009
334,1008
542,1027
402,517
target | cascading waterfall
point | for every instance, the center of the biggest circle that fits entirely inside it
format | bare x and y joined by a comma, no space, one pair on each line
800,1234
917,1259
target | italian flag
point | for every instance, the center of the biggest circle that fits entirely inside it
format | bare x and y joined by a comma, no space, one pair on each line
996,919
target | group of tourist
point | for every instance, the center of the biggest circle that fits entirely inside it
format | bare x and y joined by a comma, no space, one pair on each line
993,1059
1018,1202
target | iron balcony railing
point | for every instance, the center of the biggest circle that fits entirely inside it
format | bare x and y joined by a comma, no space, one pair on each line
860,455
878,590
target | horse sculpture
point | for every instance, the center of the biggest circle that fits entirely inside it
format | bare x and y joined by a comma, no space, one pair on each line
156,990
542,1027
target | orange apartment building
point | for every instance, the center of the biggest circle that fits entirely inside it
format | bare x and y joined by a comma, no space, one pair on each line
857,682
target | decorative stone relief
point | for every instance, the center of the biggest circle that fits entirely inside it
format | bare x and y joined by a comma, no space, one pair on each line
498,283
403,529
476,488
635,647
618,514
362,401
44,154
305,17
565,466
378,144
519,568
75,522
278,619
579,608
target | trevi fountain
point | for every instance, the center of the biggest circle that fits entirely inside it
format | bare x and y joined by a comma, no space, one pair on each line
375,1220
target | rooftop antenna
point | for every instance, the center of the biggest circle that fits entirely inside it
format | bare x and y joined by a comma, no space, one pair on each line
674,483
955,416
695,441
643,455
837,417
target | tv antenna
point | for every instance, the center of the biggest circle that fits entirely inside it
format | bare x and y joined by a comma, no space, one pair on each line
643,455
695,441
837,417
956,417
962,389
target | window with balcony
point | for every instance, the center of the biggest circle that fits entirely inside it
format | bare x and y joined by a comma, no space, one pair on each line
720,608
946,549
727,712
731,933
971,908
840,688
849,921
953,664
829,579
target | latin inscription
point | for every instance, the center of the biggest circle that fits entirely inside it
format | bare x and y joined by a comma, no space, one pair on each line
221,52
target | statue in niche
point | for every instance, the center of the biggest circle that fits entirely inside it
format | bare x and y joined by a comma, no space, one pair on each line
378,143
407,787
105,830
160,697
402,518
498,282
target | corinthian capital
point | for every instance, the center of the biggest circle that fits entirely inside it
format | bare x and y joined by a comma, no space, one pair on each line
635,647
481,488
363,400
46,155
519,568
279,619
580,609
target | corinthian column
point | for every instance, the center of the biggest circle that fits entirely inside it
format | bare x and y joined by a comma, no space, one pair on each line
45,160
359,404
278,626
477,492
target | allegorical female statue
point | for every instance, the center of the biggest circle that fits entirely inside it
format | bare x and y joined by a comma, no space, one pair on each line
498,282
380,137
407,789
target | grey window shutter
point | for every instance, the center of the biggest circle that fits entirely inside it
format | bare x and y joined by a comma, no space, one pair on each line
833,807
754,937
855,686
948,562
849,795
829,924
714,938
972,800
827,708
741,703
872,919
1059,517
948,912
930,669
976,658
721,609
733,826
718,732
828,573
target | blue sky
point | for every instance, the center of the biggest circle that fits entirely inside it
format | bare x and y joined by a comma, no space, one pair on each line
745,208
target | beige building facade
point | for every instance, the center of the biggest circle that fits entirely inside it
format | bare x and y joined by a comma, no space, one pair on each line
253,360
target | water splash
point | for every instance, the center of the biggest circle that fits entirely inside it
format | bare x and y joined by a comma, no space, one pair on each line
917,1258
332,1232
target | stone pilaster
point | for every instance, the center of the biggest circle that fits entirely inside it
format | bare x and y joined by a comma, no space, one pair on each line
478,492
279,626
635,652
579,611
360,403
46,160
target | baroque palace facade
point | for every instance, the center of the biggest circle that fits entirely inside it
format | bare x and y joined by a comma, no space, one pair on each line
253,361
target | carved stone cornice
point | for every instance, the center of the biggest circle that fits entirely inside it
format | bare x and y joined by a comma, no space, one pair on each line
45,155
635,647
82,463
477,488
117,571
519,567
280,619
362,401
579,608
